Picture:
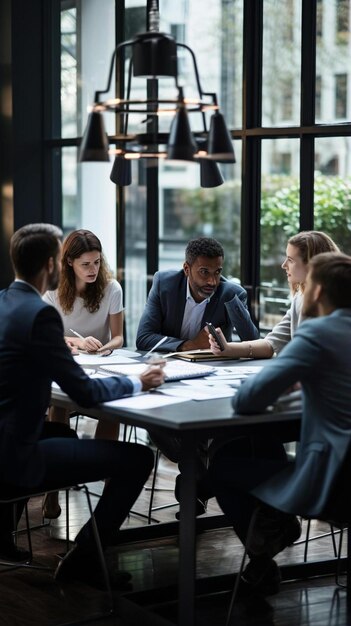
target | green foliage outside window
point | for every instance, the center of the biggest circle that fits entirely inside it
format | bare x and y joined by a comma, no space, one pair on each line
280,208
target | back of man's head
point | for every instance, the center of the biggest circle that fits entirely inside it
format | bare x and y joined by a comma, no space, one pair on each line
332,270
32,246
203,246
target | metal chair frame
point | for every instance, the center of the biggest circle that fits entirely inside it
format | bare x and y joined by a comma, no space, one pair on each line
248,539
153,488
110,610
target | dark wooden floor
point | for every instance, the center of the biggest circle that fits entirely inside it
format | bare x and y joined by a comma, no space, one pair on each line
32,598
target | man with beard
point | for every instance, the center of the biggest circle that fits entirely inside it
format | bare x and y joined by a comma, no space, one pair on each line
33,353
319,359
179,304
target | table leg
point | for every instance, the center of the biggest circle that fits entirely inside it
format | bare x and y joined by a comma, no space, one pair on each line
187,535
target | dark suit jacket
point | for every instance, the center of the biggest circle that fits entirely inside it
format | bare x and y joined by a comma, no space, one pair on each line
164,311
33,353
319,357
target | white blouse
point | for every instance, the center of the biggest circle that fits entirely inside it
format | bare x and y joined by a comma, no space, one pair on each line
284,331
84,322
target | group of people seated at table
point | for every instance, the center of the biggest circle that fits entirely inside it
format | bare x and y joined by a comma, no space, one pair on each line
64,299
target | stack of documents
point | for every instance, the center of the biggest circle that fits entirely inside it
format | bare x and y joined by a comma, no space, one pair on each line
174,370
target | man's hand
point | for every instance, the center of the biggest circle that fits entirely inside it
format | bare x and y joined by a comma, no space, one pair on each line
72,345
214,345
200,342
153,377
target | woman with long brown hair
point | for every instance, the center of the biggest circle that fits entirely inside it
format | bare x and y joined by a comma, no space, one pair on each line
90,302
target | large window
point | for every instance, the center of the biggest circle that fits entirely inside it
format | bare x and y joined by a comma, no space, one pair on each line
281,62
280,209
213,30
332,189
333,62
281,69
87,43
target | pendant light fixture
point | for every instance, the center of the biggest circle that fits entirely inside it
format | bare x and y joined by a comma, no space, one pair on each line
154,55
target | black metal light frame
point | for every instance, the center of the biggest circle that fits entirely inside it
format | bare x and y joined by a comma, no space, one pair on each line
154,55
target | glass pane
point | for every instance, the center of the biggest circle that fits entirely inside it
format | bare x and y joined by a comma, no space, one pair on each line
185,209
333,61
71,206
87,43
135,268
188,210
213,31
89,199
69,72
332,189
280,219
281,72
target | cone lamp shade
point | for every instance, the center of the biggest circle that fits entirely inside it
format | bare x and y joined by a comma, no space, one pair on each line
94,146
210,174
121,173
181,143
220,145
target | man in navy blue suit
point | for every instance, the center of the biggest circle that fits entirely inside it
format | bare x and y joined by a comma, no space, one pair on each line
33,353
181,302
177,309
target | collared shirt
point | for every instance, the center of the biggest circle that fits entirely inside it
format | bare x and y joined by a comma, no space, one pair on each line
193,314
19,280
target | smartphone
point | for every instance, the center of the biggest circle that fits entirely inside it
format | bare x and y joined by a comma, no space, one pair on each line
214,334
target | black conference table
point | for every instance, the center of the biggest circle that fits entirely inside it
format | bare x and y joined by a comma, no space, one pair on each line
189,421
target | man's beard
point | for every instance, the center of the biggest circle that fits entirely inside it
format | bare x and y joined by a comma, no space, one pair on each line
310,309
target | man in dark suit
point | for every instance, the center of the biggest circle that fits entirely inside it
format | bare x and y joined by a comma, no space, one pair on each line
33,353
181,302
178,306
319,359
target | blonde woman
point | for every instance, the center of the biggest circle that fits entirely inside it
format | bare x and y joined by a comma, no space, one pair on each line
300,249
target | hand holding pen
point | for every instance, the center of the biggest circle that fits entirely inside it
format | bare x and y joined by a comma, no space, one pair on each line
154,374
90,344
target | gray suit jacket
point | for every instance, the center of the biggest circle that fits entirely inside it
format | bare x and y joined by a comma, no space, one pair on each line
319,357
164,311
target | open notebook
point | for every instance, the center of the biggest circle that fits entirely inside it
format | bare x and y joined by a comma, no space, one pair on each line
173,370
198,355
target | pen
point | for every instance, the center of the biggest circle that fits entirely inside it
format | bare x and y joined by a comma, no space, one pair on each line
156,346
76,334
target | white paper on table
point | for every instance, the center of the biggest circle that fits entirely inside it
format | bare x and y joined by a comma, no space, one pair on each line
201,393
144,401
130,353
95,359
238,370
209,383
227,377
199,382
89,372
